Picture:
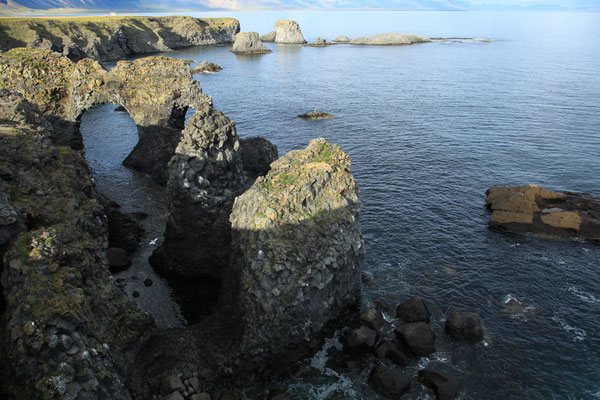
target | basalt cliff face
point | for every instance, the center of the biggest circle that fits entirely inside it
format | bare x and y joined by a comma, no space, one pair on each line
286,246
67,329
114,38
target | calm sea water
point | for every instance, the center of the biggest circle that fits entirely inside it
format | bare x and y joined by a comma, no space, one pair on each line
429,128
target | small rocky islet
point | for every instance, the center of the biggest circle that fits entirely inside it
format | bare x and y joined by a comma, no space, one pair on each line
68,329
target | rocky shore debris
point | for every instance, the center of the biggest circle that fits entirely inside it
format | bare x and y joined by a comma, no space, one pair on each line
268,37
115,38
531,209
206,66
315,114
342,39
288,32
248,43
390,39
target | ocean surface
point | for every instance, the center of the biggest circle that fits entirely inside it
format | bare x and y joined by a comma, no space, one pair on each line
429,128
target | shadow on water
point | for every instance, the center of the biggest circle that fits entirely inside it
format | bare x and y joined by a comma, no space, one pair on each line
109,136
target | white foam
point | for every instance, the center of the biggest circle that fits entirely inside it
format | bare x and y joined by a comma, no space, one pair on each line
577,334
583,295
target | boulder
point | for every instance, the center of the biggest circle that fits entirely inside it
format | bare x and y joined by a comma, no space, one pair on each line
320,42
418,337
173,396
444,388
268,37
342,39
390,39
171,384
389,383
206,66
315,114
200,396
248,43
257,155
464,325
298,248
361,339
537,210
392,351
413,310
117,259
371,318
288,32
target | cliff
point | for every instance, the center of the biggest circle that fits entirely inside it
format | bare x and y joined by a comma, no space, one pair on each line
114,38
67,329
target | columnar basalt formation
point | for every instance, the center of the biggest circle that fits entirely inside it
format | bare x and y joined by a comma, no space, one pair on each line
537,210
114,38
288,32
156,91
206,174
67,329
297,249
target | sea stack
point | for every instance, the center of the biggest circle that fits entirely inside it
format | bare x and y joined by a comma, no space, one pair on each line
248,43
288,32
268,37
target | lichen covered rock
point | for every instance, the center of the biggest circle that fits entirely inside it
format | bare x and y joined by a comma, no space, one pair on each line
206,66
537,210
248,43
288,32
68,328
298,248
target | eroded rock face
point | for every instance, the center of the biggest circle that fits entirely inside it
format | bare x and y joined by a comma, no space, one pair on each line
390,39
156,91
537,210
248,43
268,37
115,38
298,249
288,32
68,328
257,155
206,174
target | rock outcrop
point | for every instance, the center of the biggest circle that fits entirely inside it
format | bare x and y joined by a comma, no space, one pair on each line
288,32
268,37
257,155
67,330
248,43
315,114
342,39
390,39
537,210
298,249
114,38
320,42
206,66
156,91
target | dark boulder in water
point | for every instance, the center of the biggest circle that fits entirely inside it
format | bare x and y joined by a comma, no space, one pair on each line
389,383
206,66
445,388
537,210
315,114
370,318
360,340
413,310
117,259
418,337
392,351
464,325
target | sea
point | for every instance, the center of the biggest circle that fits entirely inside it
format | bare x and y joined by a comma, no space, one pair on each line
506,98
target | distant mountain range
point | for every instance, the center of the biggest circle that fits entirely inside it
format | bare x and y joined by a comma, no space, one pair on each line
163,5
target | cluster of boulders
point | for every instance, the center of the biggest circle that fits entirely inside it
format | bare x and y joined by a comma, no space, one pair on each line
537,210
397,343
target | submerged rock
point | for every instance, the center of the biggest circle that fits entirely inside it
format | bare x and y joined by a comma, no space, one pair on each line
390,39
413,310
342,39
268,37
389,383
537,210
298,248
418,337
288,32
206,66
248,43
444,388
464,325
315,114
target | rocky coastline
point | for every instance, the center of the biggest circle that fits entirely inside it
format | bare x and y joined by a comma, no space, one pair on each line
114,38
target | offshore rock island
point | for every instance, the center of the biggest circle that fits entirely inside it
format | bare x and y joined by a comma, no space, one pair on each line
286,246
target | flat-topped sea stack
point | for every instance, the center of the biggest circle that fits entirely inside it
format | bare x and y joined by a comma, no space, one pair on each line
288,32
537,210
315,114
114,38
248,43
390,39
